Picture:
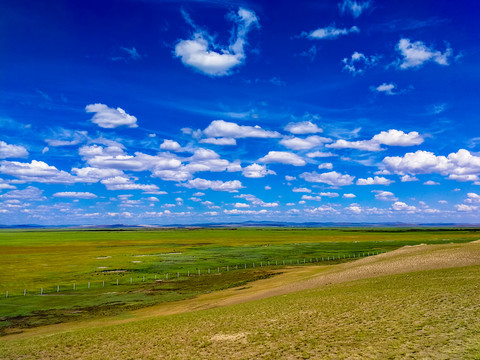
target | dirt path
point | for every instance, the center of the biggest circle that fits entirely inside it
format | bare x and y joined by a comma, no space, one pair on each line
407,259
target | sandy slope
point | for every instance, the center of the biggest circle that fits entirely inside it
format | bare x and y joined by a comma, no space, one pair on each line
407,259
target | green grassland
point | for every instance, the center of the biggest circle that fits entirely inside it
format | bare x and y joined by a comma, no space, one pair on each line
423,315
46,259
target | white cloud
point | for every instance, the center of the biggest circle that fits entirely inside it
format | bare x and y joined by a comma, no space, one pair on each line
384,195
12,151
473,198
366,145
394,137
466,208
90,174
201,53
431,182
125,183
30,193
320,154
321,209
267,187
330,32
387,89
216,185
241,205
377,180
302,190
354,7
4,185
417,53
391,137
257,171
244,212
331,178
77,195
219,141
110,118
65,137
460,166
401,206
37,171
349,196
170,145
309,197
302,128
357,63
255,201
290,178
328,166
407,178
307,143
282,157
221,128
329,194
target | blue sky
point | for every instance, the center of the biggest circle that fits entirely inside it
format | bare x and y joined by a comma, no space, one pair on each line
160,112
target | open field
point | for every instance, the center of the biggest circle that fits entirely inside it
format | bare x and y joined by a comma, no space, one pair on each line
415,302
42,260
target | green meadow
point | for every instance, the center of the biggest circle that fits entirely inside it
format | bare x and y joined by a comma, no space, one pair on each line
77,271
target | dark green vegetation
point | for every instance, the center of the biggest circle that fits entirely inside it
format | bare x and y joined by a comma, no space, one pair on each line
35,260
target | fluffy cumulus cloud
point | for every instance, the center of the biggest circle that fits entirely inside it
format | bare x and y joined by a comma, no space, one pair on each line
170,145
466,208
12,151
391,137
37,171
377,180
110,118
252,199
225,129
415,54
472,198
387,89
384,195
332,178
296,143
355,8
219,141
330,32
358,63
282,157
126,183
401,206
215,185
256,171
203,54
75,195
460,166
302,128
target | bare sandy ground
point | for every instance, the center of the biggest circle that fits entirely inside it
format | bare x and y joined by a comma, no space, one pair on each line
406,259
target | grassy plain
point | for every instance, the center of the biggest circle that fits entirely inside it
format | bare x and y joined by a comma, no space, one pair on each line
46,259
418,302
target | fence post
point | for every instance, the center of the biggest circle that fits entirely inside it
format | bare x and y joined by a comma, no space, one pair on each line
166,276
103,284
89,284
41,291
131,280
58,288
117,281
24,292
6,295
74,286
